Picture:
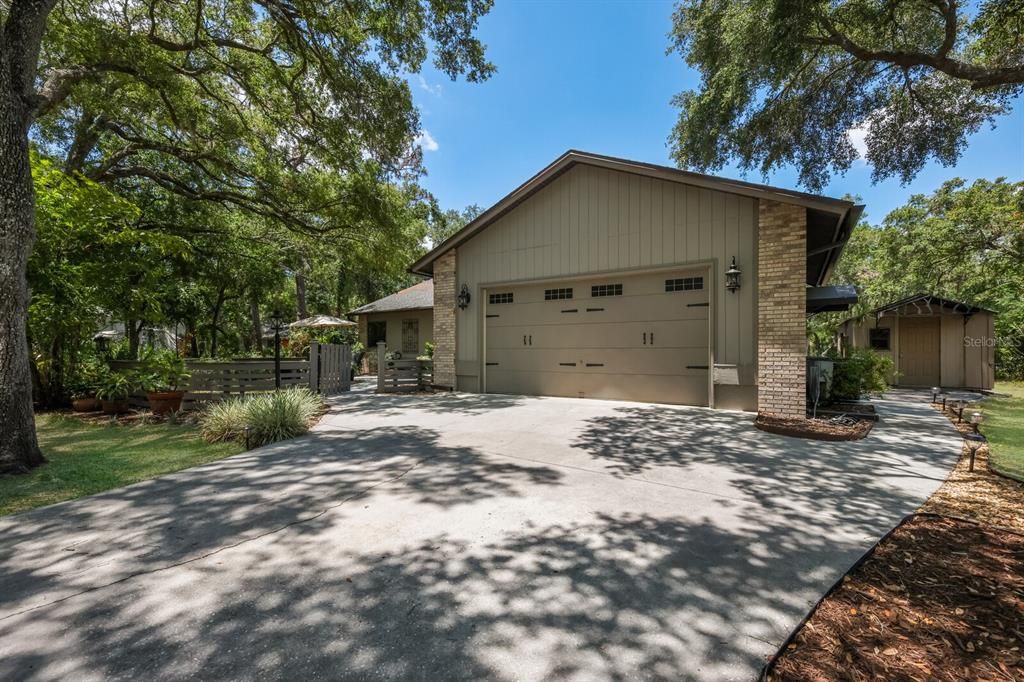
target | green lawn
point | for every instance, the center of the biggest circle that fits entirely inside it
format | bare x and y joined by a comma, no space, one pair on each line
86,459
1004,428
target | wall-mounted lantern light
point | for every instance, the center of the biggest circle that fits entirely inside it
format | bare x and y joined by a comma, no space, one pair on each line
464,298
732,277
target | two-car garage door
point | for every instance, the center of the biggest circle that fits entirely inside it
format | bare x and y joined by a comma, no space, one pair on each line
638,337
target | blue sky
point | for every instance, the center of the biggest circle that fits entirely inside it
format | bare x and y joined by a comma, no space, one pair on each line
595,76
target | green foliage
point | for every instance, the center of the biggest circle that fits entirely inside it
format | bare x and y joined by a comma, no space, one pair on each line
789,83
270,417
300,114
224,421
861,372
162,371
115,386
84,459
962,242
1004,428
450,222
428,349
86,378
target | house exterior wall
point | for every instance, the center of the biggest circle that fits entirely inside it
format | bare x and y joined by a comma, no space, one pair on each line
425,319
445,311
593,220
782,311
966,347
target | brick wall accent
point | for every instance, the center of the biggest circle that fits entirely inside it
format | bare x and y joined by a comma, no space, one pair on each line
781,310
445,291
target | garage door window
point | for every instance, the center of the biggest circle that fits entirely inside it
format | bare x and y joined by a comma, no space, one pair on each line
605,290
557,294
495,299
684,284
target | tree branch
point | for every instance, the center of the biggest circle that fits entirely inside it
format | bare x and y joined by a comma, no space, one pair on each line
980,77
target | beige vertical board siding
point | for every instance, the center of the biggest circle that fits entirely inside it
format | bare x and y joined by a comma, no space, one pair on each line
951,345
980,365
554,233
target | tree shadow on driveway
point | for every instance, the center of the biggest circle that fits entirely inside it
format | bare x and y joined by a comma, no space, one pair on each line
623,595
77,545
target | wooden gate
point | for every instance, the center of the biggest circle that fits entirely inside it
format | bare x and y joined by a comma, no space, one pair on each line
330,367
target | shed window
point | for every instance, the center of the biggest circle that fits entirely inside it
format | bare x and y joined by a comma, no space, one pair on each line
684,284
376,332
879,338
495,299
557,294
605,290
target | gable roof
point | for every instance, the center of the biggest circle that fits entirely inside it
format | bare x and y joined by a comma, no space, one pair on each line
926,302
829,222
416,297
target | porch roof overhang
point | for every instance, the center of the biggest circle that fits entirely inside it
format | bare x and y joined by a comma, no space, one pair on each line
830,299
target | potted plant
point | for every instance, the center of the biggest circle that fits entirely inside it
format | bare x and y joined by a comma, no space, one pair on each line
83,398
113,391
163,376
82,387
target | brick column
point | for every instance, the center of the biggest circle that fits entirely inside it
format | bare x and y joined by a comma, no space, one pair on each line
444,319
781,310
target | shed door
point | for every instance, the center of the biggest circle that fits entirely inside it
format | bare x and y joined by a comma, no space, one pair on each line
639,337
919,351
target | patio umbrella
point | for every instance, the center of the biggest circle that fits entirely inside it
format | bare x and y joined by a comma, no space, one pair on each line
321,321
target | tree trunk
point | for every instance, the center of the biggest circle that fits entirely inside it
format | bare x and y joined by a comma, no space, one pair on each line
19,450
300,294
257,324
133,331
216,321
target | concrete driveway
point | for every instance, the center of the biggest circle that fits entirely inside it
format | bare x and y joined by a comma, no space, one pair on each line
464,537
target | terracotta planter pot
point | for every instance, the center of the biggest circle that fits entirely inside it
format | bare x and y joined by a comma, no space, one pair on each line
115,406
165,402
85,404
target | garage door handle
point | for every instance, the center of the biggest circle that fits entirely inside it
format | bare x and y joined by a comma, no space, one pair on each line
652,338
531,339
567,364
524,339
645,338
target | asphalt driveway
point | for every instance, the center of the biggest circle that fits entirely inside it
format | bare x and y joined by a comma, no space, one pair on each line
463,537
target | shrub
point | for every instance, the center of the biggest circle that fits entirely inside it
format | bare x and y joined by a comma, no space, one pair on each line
162,371
271,417
115,386
862,371
223,421
280,415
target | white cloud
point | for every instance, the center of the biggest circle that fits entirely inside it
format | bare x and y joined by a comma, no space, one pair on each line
858,138
434,90
427,141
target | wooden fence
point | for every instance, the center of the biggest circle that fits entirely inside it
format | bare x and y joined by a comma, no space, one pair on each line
217,380
397,376
330,367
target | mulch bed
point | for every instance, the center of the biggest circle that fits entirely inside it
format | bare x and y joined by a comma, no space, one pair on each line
983,494
815,429
938,599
